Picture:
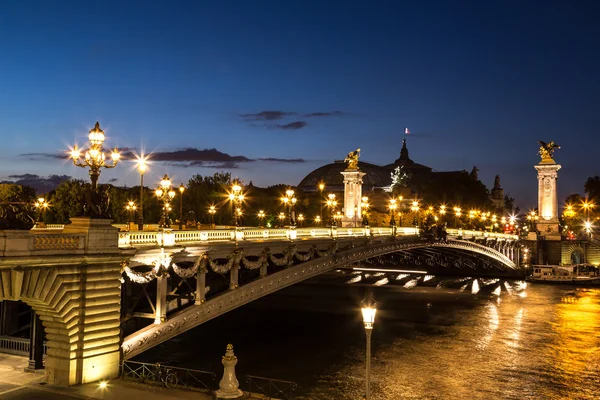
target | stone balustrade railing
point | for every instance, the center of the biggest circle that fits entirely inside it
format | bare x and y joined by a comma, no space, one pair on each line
54,240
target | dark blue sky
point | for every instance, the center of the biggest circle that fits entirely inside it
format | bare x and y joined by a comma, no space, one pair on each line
477,83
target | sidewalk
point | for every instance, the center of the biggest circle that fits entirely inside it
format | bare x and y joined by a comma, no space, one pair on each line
16,384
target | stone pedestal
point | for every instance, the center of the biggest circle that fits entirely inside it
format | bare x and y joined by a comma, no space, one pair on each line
547,199
352,197
229,387
100,235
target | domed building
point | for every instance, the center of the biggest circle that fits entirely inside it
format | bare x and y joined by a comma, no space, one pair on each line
414,181
377,177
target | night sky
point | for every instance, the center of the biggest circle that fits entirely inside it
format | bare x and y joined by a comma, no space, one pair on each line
279,88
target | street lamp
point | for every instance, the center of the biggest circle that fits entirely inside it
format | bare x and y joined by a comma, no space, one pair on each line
457,214
332,205
392,206
94,156
261,218
364,205
587,206
237,197
300,219
415,209
289,201
212,210
165,193
321,187
318,220
41,205
141,166
181,190
131,208
281,217
369,309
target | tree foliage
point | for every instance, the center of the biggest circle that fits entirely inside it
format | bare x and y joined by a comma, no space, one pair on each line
592,188
16,206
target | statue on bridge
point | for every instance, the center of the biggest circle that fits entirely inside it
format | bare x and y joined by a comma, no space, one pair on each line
95,203
547,150
352,159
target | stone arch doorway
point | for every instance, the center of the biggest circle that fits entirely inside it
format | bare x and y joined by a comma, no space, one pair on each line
577,256
79,306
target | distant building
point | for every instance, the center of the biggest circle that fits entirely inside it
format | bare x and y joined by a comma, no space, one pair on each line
413,180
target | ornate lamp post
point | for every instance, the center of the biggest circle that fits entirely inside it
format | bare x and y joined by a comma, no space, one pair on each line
181,190
415,209
587,206
131,208
321,187
332,205
442,212
212,210
289,202
364,206
392,206
261,218
94,157
165,193
41,205
281,217
237,197
141,167
369,309
457,214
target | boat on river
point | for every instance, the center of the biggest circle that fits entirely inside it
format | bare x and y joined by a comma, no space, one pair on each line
577,274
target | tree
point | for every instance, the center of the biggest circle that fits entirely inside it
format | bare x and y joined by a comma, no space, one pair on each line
16,206
592,188
65,201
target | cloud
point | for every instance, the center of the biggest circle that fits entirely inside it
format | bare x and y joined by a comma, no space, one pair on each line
284,160
267,115
191,157
41,184
325,114
291,125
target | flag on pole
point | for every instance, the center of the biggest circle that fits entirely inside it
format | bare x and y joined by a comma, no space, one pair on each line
406,131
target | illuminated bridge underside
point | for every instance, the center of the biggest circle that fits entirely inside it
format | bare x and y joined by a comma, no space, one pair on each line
452,256
354,252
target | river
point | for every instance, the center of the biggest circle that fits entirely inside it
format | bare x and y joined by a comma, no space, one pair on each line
428,343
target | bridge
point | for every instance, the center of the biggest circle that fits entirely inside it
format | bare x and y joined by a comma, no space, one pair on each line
85,280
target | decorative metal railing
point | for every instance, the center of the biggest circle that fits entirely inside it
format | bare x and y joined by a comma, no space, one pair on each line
269,388
171,377
16,345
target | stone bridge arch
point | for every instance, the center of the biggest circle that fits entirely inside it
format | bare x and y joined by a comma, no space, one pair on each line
79,306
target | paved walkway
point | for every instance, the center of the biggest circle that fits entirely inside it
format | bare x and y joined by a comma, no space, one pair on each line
16,385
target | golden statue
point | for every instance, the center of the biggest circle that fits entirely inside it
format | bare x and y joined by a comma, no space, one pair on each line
546,150
352,159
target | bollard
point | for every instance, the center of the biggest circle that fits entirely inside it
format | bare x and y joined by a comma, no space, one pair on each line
229,387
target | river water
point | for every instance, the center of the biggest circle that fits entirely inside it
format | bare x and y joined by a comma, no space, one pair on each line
428,343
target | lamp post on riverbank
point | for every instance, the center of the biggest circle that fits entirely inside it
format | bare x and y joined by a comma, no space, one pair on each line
369,308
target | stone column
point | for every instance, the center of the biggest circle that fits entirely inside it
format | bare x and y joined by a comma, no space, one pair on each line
547,199
36,343
352,197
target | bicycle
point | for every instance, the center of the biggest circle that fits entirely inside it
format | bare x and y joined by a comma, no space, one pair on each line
166,376
161,374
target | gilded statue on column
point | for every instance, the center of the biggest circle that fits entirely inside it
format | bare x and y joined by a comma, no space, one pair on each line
547,151
352,159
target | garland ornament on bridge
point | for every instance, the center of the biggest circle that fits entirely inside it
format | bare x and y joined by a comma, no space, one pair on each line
234,261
